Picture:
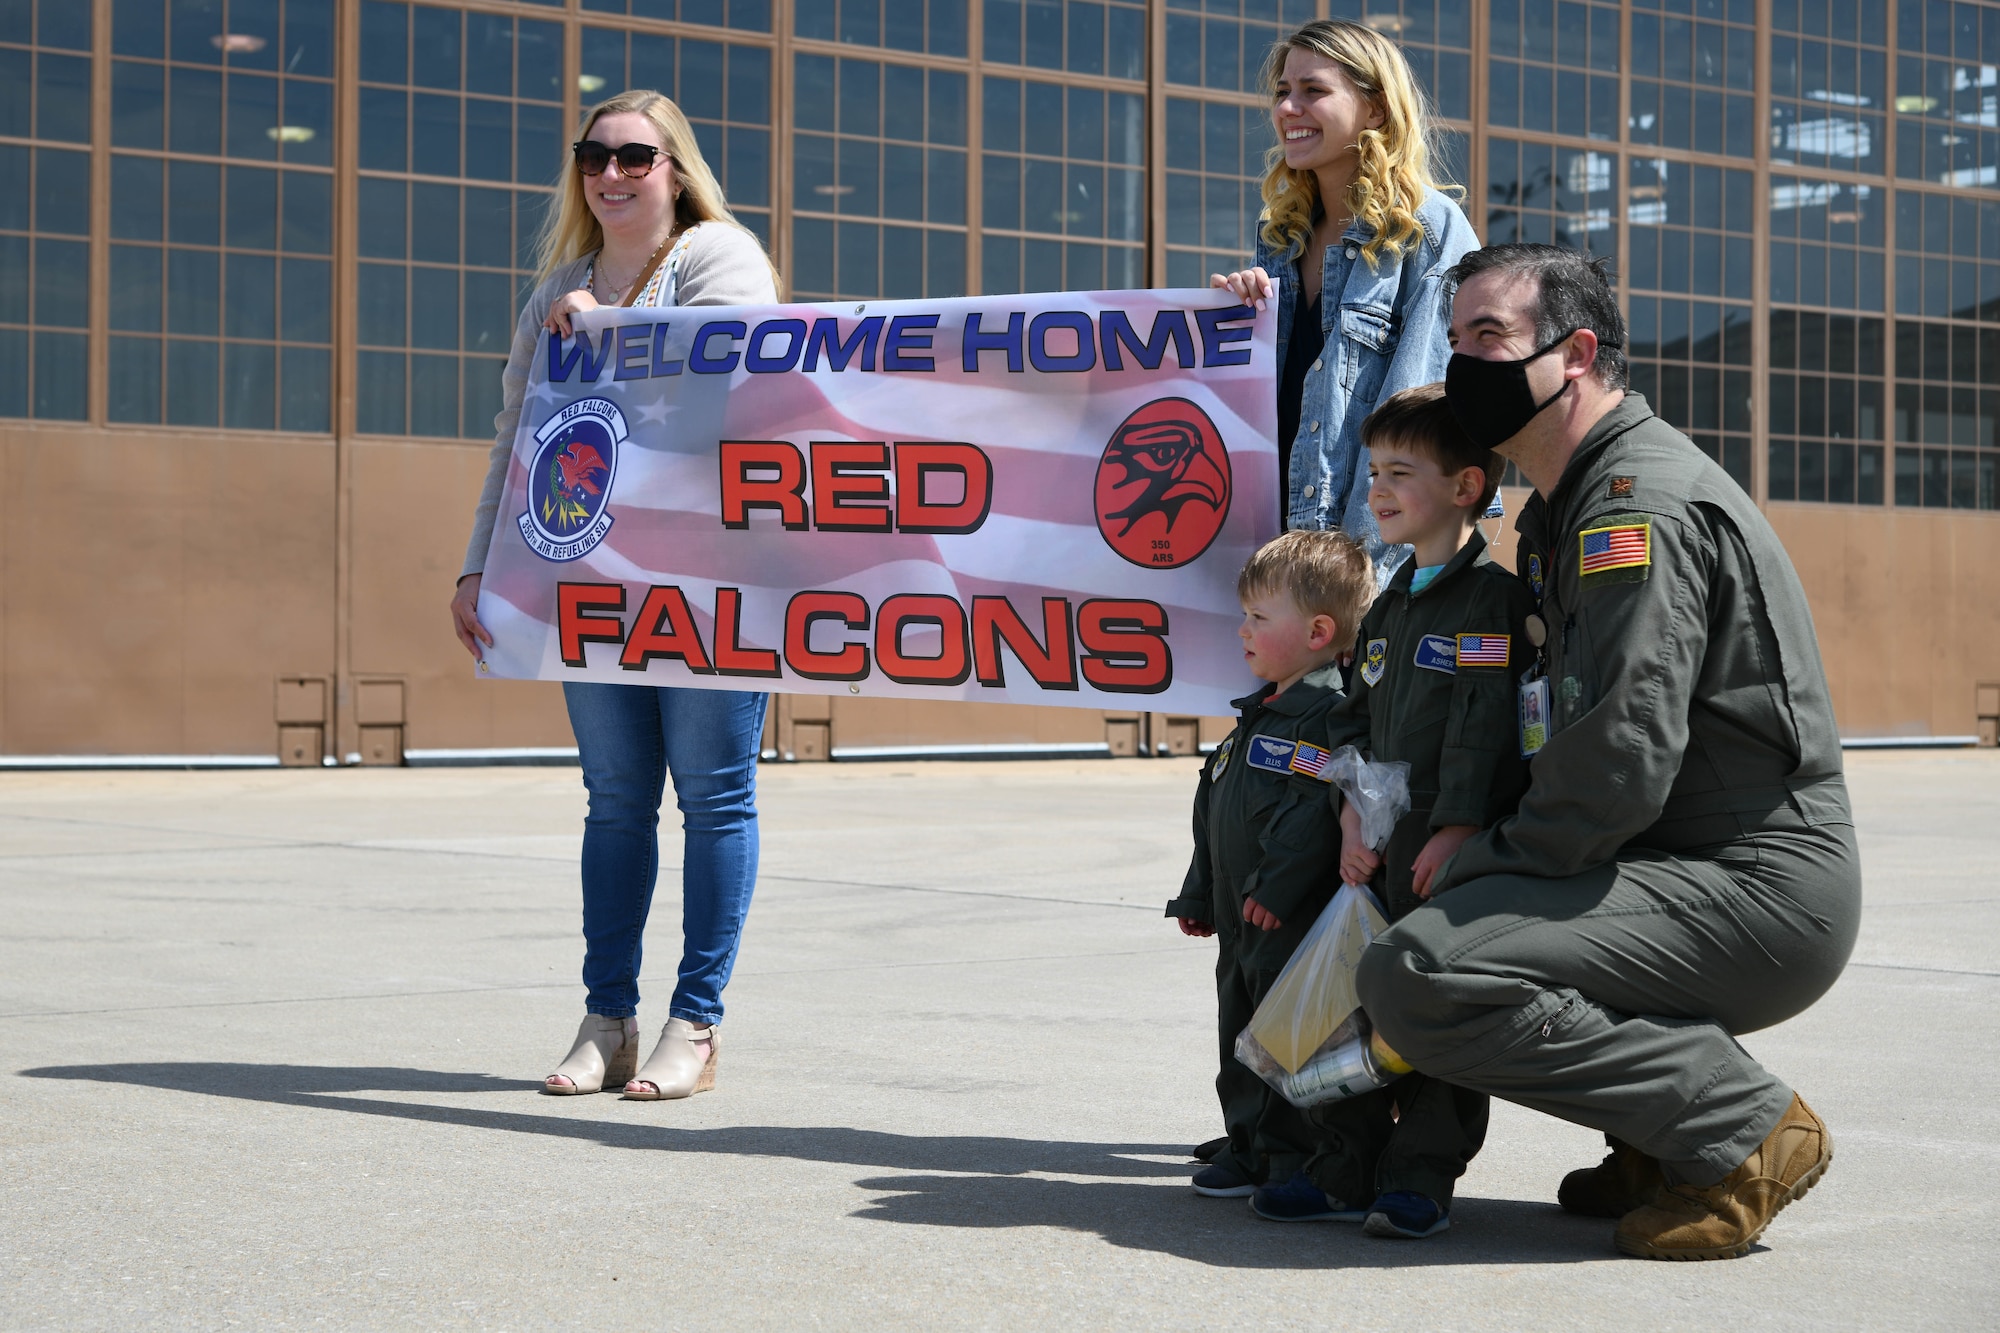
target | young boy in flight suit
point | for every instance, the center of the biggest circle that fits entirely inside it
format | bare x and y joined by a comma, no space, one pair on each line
1435,685
1266,841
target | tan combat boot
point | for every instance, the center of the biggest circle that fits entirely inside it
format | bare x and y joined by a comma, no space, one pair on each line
1624,1180
1720,1221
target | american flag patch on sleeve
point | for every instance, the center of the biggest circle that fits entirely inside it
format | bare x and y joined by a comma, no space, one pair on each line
1310,760
1627,546
1482,650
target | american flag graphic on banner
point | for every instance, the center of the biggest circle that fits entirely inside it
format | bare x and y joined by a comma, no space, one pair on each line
1482,650
1617,548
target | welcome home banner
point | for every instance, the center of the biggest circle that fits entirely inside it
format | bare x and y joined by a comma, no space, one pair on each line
1021,499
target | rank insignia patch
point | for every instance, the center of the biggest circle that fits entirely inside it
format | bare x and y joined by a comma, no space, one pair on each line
1617,554
1270,754
1535,574
1311,760
1620,488
1483,649
1437,653
1374,660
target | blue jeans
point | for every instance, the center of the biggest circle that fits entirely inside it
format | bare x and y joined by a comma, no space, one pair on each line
630,738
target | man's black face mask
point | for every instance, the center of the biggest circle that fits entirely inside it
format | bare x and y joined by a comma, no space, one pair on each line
1491,399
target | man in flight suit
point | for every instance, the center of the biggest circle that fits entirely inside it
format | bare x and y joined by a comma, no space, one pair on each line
1682,868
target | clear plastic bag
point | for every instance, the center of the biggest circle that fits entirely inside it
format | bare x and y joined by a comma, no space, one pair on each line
1347,1064
1378,790
1309,1004
1309,1038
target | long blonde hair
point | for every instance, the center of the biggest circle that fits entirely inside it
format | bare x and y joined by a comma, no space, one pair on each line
1395,160
570,230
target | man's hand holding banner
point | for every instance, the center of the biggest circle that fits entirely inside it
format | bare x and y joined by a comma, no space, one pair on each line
1020,499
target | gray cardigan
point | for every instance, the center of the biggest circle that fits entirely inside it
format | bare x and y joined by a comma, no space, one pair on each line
724,265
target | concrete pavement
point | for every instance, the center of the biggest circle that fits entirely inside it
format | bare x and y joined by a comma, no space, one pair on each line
269,1045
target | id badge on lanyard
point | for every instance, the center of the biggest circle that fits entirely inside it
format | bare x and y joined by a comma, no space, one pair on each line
1534,694
1534,713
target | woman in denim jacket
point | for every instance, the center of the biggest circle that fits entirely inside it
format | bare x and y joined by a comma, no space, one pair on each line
1361,238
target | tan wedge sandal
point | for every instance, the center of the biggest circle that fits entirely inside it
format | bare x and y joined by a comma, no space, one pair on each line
606,1050
675,1068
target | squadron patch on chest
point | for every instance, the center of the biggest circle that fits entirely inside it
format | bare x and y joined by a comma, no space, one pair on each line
1435,652
1535,574
1221,762
1270,754
1374,661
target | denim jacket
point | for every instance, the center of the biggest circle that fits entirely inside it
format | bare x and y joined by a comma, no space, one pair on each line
1385,332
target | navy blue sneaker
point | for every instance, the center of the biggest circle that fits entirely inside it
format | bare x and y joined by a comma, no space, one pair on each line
1407,1215
1299,1200
1221,1182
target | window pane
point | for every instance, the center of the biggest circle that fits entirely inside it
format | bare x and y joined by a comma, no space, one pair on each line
194,279
378,393
481,387
305,404
250,372
191,382
308,291
62,192
433,308
13,372
253,208
194,111
138,101
253,115
434,395
194,199
62,283
308,212
435,237
134,383
251,310
60,360
381,291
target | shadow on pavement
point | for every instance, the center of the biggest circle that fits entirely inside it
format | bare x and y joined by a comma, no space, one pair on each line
1222,1233
334,1088
993,1182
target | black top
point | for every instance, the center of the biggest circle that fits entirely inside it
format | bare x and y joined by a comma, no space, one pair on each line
1303,349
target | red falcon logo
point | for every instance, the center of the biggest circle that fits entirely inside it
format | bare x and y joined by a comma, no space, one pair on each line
1163,485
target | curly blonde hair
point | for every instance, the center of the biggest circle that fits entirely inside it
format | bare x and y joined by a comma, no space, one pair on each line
570,230
1394,160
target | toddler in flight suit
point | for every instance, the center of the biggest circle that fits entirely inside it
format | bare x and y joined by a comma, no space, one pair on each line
1266,841
1434,685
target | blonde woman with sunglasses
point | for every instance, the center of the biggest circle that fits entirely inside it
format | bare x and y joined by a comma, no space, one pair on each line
1358,231
640,221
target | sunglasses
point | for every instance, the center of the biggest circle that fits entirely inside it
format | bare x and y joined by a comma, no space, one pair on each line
634,159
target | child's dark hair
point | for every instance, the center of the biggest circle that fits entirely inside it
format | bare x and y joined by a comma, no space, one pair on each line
1419,420
1324,573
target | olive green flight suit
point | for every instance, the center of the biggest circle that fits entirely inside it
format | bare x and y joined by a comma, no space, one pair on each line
1456,724
1269,834
1682,868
